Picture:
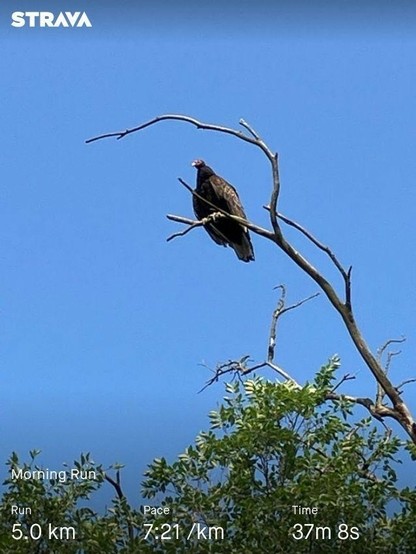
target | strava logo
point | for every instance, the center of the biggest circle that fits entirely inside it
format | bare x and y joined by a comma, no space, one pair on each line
49,19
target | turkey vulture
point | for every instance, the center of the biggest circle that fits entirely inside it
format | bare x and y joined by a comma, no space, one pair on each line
223,231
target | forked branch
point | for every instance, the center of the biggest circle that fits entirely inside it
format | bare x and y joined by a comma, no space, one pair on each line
240,368
116,484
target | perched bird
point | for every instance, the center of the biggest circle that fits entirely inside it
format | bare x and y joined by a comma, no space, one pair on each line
222,195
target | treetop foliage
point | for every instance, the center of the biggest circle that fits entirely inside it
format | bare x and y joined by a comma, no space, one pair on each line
270,446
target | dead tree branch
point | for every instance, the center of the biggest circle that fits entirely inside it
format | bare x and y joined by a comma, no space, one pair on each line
255,140
403,383
346,274
398,410
386,366
240,368
346,377
382,350
192,224
278,312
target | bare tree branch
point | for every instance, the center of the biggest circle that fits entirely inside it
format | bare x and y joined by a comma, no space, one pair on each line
115,483
390,356
278,312
346,377
346,275
198,124
185,220
381,351
405,382
236,367
192,223
283,373
399,410
249,129
240,367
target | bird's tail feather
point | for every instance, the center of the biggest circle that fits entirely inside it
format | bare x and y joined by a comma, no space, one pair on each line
244,250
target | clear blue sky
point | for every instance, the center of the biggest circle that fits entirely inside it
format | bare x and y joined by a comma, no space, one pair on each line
103,323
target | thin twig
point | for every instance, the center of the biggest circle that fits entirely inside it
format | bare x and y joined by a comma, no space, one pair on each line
185,220
192,224
346,377
381,393
232,366
298,304
249,128
405,382
390,356
383,348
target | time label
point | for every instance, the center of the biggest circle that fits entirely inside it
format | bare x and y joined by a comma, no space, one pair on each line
305,531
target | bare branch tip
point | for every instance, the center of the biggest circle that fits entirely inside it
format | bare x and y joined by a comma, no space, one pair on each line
281,286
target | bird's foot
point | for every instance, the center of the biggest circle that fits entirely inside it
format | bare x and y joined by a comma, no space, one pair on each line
212,218
215,216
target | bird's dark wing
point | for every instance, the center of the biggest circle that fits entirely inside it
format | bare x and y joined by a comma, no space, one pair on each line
227,197
236,235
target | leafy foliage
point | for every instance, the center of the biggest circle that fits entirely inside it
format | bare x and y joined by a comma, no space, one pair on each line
274,446
270,446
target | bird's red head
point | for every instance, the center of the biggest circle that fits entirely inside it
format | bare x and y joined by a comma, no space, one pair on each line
198,163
